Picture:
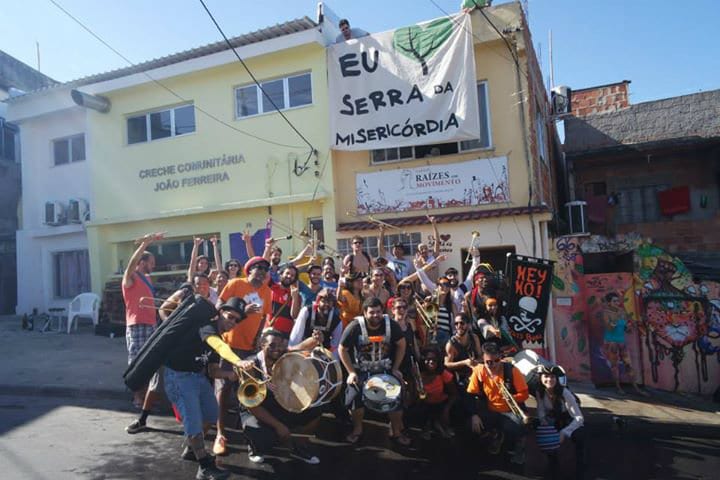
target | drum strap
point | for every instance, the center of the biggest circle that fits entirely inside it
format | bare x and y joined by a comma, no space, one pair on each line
374,364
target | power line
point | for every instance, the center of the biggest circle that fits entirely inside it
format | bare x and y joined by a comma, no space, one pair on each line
202,2
165,87
516,62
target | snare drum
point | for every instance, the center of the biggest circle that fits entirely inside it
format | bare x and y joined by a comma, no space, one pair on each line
305,380
382,393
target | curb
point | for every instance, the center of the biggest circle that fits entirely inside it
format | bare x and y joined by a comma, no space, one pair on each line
67,392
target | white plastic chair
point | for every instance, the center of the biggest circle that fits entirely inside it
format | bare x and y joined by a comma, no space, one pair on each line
85,305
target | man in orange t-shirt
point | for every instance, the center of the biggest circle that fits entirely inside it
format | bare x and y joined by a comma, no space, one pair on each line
496,415
253,289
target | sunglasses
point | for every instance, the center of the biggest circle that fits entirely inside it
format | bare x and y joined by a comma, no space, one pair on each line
357,243
235,265
444,284
400,307
262,268
492,362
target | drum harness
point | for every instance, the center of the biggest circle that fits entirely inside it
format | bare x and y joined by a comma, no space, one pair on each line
376,363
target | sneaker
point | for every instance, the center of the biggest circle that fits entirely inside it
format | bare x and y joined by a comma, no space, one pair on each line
254,457
136,427
301,454
495,443
211,472
188,454
220,447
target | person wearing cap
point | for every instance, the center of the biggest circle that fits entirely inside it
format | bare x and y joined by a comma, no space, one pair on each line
558,411
195,357
317,325
349,299
401,266
254,291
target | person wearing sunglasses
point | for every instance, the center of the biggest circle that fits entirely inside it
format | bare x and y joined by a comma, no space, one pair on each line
357,261
254,291
232,267
492,412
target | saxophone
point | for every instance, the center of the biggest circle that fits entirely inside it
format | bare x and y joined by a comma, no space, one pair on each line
515,409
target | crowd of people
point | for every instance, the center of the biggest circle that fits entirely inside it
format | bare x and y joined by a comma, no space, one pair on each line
392,334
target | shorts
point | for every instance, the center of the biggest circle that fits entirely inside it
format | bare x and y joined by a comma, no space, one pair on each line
135,337
614,352
225,366
193,397
261,436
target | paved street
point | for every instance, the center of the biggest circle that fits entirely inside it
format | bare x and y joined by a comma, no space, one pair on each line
63,409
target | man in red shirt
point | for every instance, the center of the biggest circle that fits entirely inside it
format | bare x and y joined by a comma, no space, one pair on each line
286,301
140,322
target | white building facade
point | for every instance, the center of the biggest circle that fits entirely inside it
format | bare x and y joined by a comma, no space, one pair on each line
52,248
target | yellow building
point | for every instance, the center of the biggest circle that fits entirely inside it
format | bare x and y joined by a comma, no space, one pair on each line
515,131
191,147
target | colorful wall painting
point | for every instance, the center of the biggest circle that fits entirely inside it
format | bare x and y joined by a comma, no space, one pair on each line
610,300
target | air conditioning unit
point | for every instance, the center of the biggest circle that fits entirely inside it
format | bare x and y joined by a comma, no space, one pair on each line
577,220
54,214
78,211
561,98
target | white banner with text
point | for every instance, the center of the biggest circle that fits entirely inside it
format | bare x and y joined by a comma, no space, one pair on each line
411,86
477,182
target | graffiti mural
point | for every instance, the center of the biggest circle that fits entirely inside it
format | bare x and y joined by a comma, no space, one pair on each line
614,340
676,319
571,333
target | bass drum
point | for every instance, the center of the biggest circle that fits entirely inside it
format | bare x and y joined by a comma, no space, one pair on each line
305,380
382,393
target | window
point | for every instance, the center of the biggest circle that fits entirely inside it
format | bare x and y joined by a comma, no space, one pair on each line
639,204
175,254
437,149
409,242
286,92
161,124
67,150
8,141
71,272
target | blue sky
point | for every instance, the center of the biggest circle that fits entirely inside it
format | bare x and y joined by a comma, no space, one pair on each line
665,48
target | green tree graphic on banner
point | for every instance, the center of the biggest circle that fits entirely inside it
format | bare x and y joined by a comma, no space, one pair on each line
421,43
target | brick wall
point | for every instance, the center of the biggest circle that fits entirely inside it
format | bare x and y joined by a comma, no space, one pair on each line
695,231
602,99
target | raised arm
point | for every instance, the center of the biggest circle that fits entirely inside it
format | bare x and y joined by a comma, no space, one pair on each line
436,234
247,238
216,253
381,240
193,258
135,259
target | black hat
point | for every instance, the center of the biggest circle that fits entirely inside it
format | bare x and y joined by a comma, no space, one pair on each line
550,370
236,304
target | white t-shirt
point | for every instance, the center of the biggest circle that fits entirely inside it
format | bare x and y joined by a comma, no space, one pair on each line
401,268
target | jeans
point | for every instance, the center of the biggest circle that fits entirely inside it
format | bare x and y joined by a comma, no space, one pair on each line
193,397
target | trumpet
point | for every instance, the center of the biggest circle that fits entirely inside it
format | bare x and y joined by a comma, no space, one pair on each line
475,235
515,409
156,303
251,392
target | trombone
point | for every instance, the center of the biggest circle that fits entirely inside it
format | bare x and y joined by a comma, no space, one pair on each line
304,235
475,235
251,392
157,303
374,220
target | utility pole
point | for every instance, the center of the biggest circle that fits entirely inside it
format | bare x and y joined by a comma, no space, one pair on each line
37,51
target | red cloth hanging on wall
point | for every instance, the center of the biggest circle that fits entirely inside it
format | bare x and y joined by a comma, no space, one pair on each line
674,200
